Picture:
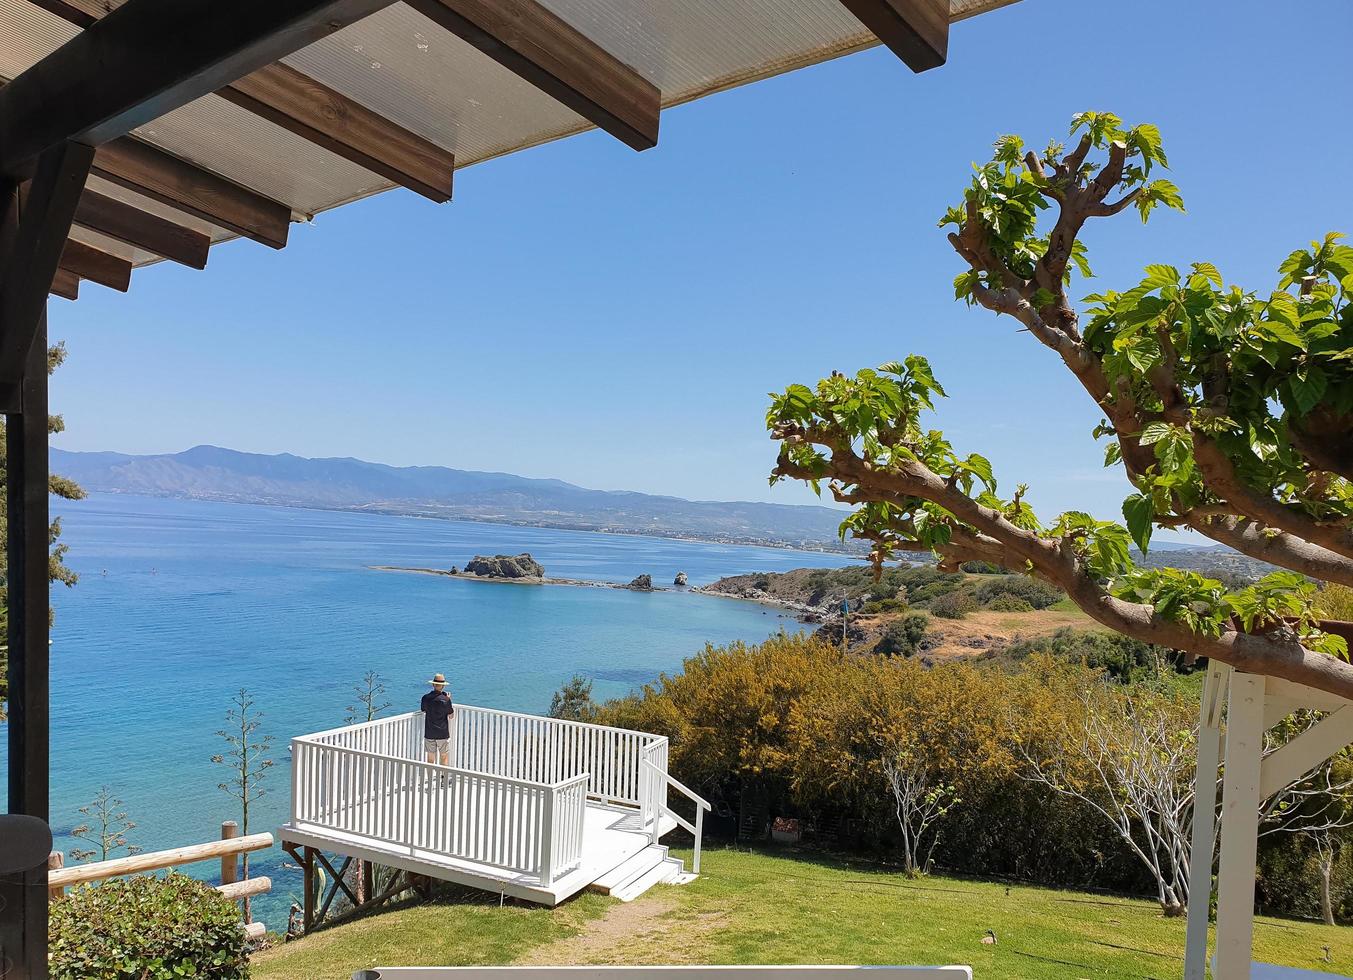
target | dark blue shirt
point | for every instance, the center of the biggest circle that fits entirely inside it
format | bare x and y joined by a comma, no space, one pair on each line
437,708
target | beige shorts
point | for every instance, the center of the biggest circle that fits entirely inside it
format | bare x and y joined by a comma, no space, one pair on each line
442,746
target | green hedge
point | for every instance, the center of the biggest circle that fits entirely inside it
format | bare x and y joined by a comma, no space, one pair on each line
148,929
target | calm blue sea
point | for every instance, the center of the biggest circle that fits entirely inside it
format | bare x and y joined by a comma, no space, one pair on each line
182,603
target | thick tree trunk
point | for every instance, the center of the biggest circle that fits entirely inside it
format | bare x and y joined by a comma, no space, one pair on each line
1327,889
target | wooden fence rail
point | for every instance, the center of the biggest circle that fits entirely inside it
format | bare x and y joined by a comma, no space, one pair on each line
228,850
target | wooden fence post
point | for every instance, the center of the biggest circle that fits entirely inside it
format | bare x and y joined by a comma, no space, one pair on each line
55,861
230,863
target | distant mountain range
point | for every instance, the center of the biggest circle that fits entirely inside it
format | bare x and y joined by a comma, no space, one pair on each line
212,473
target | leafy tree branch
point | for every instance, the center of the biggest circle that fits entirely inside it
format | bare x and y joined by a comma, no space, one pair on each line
1231,412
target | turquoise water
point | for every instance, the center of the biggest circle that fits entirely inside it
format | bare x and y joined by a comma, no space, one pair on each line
182,603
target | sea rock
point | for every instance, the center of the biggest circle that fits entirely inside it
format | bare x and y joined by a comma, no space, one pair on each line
642,583
504,566
680,579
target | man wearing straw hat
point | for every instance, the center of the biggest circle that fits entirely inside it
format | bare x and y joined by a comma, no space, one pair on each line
437,711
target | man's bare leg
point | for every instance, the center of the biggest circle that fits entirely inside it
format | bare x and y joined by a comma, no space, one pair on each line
446,757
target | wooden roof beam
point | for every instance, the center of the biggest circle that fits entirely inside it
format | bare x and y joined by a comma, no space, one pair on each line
558,59
149,57
917,31
96,265
65,284
313,111
138,228
163,177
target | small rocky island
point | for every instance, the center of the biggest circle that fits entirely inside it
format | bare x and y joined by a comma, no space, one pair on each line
524,570
521,566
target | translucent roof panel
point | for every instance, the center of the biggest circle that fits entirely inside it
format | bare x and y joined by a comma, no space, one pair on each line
407,69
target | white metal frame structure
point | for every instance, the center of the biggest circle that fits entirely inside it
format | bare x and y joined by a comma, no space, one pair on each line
668,973
1254,704
535,807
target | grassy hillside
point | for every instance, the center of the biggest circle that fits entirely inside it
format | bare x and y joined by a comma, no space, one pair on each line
765,908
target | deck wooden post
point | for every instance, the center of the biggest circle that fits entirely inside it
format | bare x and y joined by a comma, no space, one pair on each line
308,867
1239,826
230,865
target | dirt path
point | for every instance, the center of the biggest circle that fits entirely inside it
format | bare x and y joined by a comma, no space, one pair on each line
649,925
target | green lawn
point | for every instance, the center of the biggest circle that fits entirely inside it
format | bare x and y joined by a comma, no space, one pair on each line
764,908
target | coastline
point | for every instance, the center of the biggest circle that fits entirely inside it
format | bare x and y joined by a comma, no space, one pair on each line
803,612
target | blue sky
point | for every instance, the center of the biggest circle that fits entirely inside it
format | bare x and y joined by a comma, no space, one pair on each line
615,319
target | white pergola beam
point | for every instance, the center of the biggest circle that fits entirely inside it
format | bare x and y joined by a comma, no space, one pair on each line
1312,747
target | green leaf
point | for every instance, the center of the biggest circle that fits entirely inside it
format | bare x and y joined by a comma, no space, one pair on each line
1209,272
1140,511
1161,275
1154,432
980,466
1307,391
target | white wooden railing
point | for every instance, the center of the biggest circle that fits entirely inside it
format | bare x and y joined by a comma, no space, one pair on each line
511,824
664,779
548,749
514,796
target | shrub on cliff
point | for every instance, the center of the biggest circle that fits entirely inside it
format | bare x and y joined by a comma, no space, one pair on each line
954,605
148,929
1038,594
902,637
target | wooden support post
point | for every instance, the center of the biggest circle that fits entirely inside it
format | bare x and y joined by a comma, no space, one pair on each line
308,870
1204,824
55,862
1239,827
230,863
27,267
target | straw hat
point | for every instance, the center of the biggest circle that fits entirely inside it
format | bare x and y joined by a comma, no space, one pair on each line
438,679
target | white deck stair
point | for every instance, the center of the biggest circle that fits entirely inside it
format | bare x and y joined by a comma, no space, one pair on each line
651,866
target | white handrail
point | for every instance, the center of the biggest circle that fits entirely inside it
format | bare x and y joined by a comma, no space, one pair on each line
696,829
422,806
514,797
545,750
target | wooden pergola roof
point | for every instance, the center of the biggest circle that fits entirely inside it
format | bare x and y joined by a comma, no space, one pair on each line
376,95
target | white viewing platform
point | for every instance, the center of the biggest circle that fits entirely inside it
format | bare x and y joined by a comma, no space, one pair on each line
532,807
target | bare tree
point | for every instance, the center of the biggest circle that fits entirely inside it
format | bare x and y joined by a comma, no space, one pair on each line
370,694
246,759
1130,760
1328,846
919,800
106,828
